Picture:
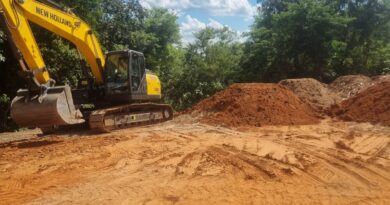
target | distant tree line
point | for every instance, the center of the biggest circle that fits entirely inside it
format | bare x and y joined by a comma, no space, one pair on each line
318,38
322,39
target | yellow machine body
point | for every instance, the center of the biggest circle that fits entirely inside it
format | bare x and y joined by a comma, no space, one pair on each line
153,85
65,24
118,74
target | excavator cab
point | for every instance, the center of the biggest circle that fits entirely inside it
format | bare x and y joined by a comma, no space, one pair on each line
126,78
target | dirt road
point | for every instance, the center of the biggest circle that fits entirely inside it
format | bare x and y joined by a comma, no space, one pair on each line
191,163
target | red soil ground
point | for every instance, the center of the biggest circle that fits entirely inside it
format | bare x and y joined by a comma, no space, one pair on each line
371,105
255,104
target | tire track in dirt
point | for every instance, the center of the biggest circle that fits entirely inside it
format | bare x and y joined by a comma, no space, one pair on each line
335,163
200,164
343,164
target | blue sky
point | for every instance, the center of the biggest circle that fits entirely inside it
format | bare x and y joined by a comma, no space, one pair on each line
197,14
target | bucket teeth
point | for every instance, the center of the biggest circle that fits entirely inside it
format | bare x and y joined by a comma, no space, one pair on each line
56,108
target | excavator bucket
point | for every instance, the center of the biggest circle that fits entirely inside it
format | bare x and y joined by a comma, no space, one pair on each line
54,109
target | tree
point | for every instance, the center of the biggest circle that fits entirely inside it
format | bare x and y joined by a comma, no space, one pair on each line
295,42
1,46
10,82
162,26
88,10
211,63
317,38
119,20
4,100
368,36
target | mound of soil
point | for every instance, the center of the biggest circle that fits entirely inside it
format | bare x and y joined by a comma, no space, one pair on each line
255,104
312,92
350,85
381,78
371,105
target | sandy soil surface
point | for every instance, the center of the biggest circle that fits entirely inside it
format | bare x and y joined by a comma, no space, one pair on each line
15,136
180,162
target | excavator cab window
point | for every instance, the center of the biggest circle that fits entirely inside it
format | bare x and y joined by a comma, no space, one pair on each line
117,72
137,71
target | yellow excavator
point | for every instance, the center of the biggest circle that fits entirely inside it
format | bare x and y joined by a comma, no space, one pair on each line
118,92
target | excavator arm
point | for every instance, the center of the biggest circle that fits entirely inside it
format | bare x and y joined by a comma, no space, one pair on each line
43,104
17,15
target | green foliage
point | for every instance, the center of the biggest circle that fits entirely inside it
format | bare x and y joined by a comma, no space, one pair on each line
368,37
296,42
317,38
120,18
63,62
90,10
211,63
163,32
5,123
10,81
4,104
2,58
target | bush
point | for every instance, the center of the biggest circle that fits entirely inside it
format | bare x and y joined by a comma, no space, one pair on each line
6,123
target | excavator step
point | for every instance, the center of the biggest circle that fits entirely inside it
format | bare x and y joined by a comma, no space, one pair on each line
132,115
54,109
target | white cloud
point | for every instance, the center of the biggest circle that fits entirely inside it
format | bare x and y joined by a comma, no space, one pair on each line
189,27
192,25
214,7
172,4
173,7
215,24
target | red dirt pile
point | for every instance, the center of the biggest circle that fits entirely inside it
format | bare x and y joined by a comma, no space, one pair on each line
381,78
255,104
312,92
350,85
371,105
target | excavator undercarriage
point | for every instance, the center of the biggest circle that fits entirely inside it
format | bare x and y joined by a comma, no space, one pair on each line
56,111
106,120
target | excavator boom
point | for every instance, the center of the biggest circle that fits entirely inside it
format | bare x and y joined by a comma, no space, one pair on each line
43,104
114,89
18,13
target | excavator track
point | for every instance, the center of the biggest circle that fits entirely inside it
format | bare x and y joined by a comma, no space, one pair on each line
131,115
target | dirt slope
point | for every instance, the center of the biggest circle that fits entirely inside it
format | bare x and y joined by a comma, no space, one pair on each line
312,92
372,105
381,78
255,104
350,85
180,163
